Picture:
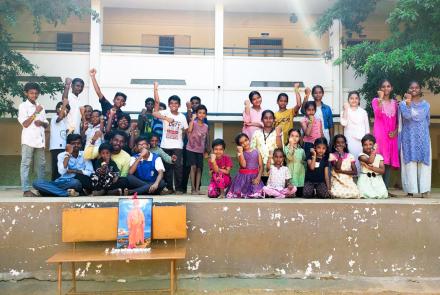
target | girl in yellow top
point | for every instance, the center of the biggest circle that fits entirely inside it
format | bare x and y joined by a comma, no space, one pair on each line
284,116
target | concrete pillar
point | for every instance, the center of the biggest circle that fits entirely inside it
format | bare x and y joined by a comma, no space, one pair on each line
96,37
218,130
335,34
218,56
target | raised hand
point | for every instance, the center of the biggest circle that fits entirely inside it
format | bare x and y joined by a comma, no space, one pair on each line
247,103
408,99
188,105
271,154
144,152
313,152
212,157
68,81
97,135
69,148
92,72
278,130
133,126
156,85
346,106
112,113
296,85
169,120
144,111
380,94
239,149
38,108
307,92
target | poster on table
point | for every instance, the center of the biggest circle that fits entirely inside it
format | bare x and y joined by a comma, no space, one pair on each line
134,223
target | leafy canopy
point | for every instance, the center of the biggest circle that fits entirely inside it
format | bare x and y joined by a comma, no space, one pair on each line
411,52
12,63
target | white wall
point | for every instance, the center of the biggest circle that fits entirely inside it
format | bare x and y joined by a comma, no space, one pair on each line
240,71
59,64
117,69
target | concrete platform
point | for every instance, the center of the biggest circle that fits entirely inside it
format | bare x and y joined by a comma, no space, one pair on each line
291,238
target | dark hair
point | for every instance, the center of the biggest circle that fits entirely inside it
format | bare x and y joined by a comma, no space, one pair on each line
149,99
368,137
118,132
126,116
78,80
251,95
334,142
282,95
354,92
174,98
278,150
154,135
414,81
124,96
239,136
201,107
88,106
164,106
383,81
73,137
299,133
218,141
317,86
105,147
265,112
310,103
322,140
59,104
141,138
97,111
195,98
32,85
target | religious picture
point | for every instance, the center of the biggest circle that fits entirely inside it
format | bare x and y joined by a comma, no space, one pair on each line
134,223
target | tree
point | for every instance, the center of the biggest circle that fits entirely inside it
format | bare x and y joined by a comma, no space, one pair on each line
13,64
411,52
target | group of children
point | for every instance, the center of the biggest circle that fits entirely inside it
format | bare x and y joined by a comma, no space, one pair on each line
166,147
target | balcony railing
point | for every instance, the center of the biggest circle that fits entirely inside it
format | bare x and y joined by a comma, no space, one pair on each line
50,46
166,50
271,52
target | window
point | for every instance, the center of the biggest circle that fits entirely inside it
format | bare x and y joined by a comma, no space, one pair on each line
160,81
283,84
265,47
64,41
166,44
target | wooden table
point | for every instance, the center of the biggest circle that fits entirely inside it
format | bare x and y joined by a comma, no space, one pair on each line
99,255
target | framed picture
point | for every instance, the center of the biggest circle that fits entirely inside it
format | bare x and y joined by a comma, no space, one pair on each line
134,223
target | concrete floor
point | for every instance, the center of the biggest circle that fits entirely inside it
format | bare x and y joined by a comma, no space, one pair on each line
239,286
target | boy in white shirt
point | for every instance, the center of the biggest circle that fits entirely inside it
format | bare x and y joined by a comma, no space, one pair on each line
32,117
74,99
174,125
58,135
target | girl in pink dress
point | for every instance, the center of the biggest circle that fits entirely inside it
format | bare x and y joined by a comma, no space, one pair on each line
311,126
385,128
252,115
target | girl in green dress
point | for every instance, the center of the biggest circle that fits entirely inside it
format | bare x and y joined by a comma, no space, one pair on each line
296,160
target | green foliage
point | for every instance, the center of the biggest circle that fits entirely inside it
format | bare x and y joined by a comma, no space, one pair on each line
12,63
351,13
411,52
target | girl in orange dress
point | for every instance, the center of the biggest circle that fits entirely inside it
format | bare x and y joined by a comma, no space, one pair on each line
136,225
